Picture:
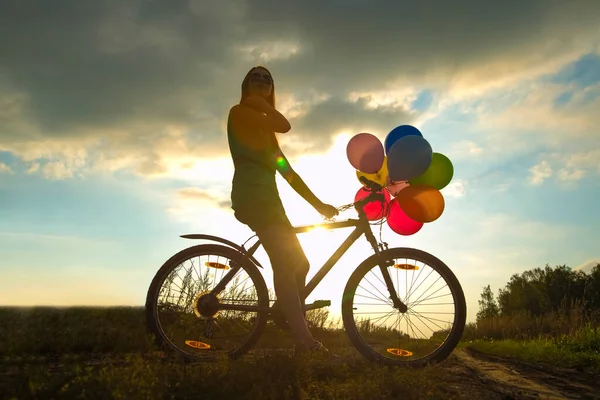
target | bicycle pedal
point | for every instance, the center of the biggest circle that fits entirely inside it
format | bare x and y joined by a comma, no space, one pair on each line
317,304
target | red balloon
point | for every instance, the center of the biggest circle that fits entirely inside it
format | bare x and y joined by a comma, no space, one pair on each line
374,210
401,223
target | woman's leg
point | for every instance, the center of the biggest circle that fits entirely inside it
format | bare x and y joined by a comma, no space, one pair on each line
290,268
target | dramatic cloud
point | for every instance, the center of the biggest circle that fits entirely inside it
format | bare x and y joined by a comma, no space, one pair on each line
112,80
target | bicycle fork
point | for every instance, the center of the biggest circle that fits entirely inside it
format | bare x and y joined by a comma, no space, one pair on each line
383,266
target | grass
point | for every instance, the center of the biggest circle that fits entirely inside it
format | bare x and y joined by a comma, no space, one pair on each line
43,353
277,377
541,350
568,337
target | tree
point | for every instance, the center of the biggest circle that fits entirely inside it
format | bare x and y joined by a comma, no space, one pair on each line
592,288
487,305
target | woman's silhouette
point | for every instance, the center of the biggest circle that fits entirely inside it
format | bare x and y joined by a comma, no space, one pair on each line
256,155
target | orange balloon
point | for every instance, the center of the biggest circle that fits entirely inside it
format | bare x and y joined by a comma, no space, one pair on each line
423,203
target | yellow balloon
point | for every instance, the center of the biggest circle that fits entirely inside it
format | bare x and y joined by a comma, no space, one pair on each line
380,177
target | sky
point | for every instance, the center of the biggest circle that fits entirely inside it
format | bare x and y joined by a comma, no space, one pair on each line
113,132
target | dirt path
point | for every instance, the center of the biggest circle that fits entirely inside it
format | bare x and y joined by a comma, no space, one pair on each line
516,380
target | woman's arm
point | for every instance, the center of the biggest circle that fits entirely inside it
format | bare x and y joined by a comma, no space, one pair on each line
286,170
272,120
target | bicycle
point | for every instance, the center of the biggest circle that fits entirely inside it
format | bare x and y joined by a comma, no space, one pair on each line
190,321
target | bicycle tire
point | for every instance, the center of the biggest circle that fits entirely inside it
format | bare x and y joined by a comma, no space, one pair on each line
151,307
436,264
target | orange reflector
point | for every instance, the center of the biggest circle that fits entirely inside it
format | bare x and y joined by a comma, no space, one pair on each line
406,267
400,352
197,345
217,265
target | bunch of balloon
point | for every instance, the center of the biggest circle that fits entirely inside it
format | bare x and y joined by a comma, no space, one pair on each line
410,173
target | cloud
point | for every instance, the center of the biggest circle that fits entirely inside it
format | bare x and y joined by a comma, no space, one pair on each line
540,172
321,121
57,170
588,265
111,81
465,149
569,166
195,194
5,169
33,168
566,175
454,189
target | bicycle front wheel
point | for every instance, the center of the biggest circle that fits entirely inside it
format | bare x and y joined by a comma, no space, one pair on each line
185,316
431,327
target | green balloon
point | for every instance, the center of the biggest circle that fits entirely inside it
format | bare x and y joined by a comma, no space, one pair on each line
439,174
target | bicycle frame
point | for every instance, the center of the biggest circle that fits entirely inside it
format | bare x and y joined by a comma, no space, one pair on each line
361,227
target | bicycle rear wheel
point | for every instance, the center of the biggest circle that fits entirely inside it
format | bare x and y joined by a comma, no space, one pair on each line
431,327
184,317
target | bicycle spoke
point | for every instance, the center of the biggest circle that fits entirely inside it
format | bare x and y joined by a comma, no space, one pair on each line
379,318
385,320
413,290
411,284
415,326
435,319
431,298
371,298
371,312
434,282
418,316
376,298
433,312
384,298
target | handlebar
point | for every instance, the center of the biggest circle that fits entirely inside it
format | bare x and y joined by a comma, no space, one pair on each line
374,186
375,194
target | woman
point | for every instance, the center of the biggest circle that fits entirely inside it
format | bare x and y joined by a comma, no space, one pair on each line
256,155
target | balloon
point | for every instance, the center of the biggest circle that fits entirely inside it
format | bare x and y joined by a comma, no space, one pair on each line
409,158
398,133
381,177
401,223
421,202
365,153
374,210
438,175
395,187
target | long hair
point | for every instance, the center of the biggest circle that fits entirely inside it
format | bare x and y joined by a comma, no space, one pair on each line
245,91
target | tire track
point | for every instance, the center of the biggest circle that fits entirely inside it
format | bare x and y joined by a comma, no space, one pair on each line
526,382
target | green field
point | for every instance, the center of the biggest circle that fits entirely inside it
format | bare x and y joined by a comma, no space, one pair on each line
106,353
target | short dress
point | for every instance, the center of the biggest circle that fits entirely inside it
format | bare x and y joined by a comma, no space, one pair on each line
254,195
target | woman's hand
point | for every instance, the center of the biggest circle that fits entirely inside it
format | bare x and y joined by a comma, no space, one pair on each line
327,210
258,103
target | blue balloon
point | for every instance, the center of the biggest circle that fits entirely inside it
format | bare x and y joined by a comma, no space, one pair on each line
409,158
398,133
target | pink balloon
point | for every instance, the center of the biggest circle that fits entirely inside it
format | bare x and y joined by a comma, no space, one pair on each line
365,153
395,187
374,210
401,223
